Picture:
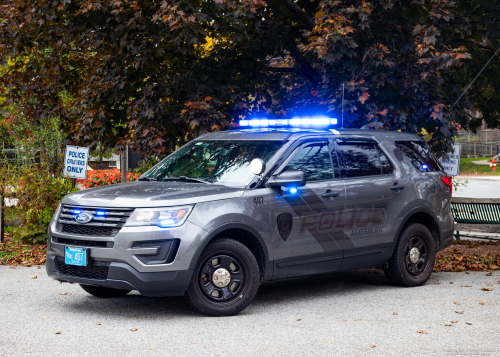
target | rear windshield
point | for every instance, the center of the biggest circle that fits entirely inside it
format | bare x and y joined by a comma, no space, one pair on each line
419,155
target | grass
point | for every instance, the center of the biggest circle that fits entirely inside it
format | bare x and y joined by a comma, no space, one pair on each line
467,167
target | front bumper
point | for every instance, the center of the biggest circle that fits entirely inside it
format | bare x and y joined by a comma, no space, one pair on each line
123,276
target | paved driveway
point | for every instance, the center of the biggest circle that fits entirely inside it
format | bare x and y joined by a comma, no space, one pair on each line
337,314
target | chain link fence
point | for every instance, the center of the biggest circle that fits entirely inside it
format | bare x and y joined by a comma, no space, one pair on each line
485,143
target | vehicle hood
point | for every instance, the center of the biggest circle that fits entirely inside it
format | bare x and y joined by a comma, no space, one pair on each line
151,194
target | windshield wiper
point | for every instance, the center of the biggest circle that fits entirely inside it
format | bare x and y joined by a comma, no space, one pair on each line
184,178
144,178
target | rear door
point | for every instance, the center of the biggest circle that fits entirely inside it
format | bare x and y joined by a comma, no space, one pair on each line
305,237
376,195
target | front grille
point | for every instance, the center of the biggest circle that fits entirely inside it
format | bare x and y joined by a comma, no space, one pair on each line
96,270
105,222
84,243
84,230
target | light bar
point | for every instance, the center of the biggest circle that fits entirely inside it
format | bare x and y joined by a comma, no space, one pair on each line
318,121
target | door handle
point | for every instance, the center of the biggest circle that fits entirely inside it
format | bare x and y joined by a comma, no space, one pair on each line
329,193
397,187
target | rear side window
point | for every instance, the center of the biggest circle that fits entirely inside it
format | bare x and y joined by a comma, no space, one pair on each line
363,159
314,160
419,155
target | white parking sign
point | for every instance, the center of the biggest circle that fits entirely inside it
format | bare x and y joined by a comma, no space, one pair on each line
451,166
75,162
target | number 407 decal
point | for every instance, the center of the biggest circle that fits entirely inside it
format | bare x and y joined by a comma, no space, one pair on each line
258,200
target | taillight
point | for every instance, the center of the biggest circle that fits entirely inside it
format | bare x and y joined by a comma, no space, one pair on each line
447,181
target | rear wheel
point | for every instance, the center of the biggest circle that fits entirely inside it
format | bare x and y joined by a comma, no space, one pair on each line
103,292
413,259
225,280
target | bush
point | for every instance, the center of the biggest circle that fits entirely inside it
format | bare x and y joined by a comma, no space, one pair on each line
38,194
97,178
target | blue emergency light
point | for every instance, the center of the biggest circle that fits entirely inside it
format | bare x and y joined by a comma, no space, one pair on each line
315,121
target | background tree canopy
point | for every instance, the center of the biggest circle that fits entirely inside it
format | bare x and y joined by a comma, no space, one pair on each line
155,73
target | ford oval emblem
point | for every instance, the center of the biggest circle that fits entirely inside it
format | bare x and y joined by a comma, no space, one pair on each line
84,218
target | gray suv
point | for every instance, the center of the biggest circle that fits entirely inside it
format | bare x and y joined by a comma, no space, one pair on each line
232,209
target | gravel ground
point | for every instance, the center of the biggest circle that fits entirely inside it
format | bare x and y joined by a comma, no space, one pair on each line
338,314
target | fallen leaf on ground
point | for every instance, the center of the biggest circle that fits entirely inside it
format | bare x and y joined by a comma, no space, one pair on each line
152,349
467,272
454,321
394,313
490,284
468,323
486,289
447,324
489,274
299,319
466,286
481,303
13,267
373,346
457,303
58,332
451,282
63,293
38,267
98,323
45,317
33,277
459,312
422,332
133,329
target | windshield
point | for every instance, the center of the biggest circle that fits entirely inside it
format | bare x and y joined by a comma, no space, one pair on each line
225,162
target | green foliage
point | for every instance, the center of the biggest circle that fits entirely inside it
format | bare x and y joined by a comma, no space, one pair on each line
156,73
40,142
38,192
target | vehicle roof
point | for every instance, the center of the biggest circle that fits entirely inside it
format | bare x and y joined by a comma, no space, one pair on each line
267,134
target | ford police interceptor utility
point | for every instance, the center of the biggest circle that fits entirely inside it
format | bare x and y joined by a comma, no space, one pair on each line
232,209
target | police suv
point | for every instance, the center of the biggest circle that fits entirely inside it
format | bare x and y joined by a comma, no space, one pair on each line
232,209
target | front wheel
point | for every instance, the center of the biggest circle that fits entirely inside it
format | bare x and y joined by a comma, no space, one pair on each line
413,259
225,280
103,292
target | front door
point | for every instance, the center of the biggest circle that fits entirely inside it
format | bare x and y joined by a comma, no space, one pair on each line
375,200
305,237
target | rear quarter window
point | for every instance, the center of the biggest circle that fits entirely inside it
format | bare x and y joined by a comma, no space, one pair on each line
419,155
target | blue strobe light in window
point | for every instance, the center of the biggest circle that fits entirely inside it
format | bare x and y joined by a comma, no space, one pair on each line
313,121
425,167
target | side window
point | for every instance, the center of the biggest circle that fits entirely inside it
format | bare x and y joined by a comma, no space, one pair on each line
419,155
359,159
386,164
314,160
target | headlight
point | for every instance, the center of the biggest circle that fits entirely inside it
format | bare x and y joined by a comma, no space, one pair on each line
161,217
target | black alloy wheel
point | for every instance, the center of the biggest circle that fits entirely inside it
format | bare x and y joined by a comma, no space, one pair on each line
413,258
225,280
222,278
416,257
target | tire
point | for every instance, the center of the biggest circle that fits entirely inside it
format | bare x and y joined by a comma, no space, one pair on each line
406,269
240,284
102,292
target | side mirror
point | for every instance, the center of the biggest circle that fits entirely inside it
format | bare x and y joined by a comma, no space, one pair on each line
257,166
288,178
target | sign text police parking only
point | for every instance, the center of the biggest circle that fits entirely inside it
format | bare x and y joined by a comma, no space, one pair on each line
75,162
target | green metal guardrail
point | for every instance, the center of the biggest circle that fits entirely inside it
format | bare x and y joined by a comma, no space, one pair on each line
476,215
